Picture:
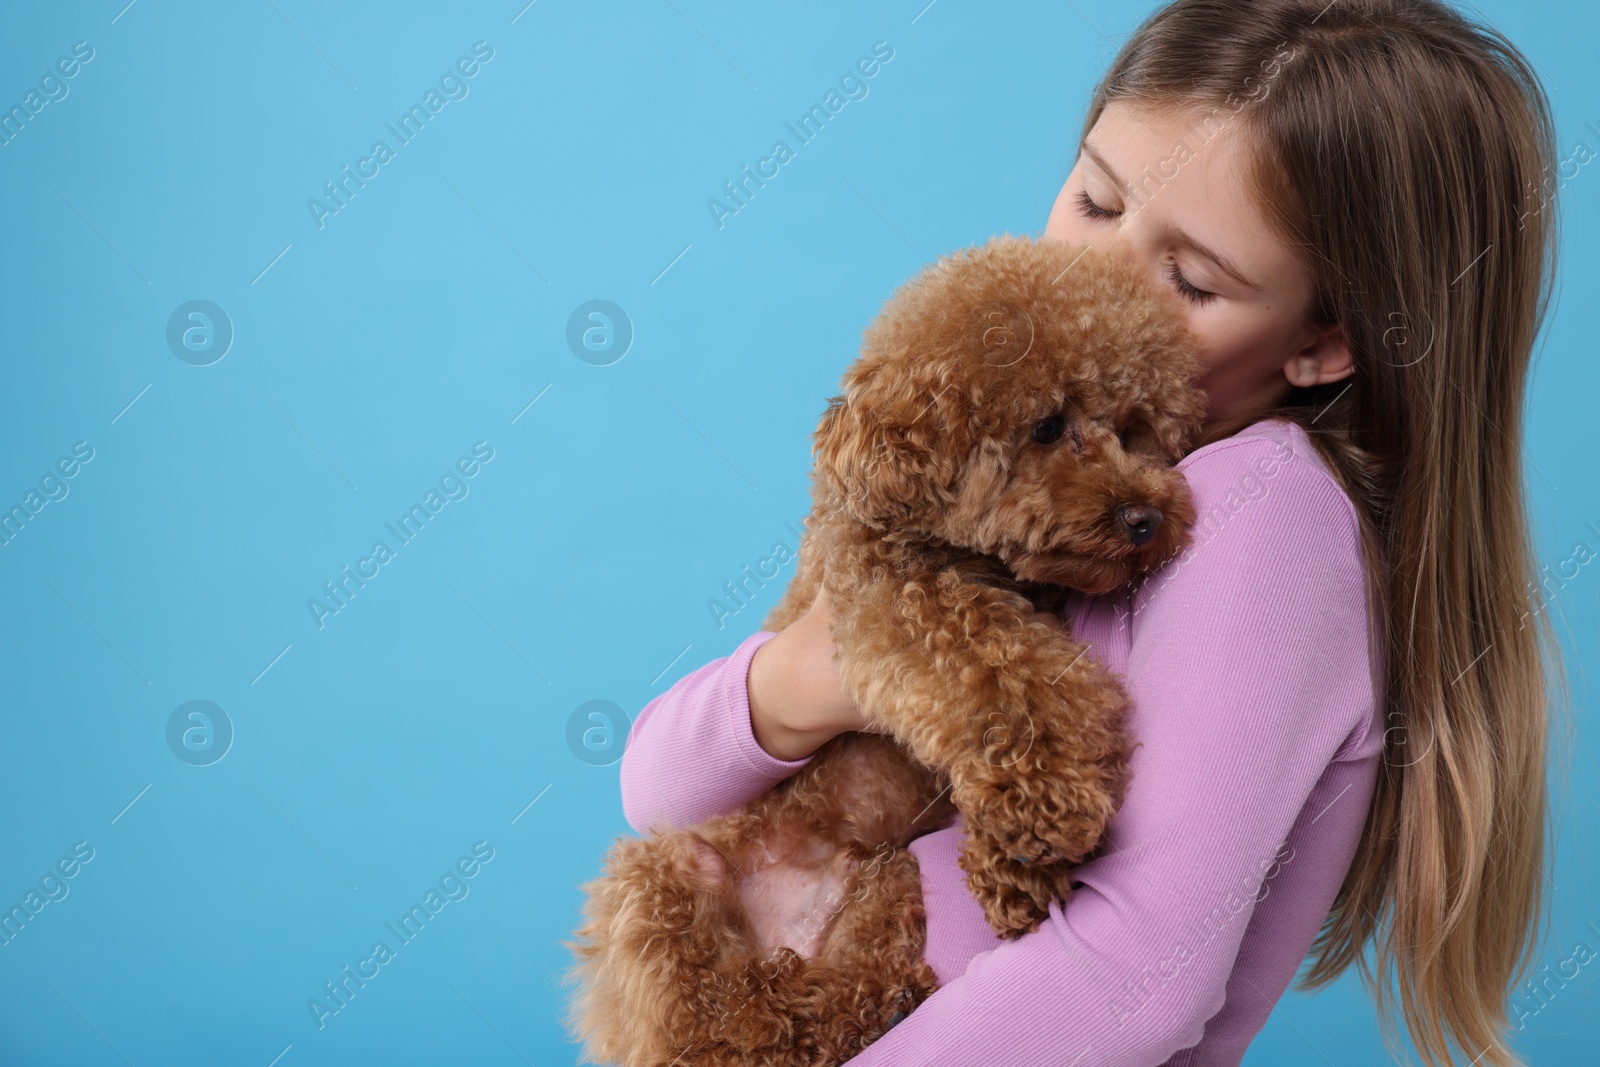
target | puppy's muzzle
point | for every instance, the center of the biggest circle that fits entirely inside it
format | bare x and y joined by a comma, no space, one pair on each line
1140,520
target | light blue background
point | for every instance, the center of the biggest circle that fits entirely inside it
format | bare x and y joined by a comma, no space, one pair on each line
425,316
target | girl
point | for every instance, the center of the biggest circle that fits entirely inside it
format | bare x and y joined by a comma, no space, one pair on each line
1337,691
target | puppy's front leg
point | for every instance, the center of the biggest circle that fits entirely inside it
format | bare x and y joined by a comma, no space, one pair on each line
1028,727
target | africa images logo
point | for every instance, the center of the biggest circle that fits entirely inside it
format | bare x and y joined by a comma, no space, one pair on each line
453,886
453,485
852,86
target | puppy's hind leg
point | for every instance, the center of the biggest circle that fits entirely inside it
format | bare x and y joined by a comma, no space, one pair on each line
870,973
660,925
867,976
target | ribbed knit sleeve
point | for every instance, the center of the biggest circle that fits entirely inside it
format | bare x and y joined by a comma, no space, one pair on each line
691,753
1249,672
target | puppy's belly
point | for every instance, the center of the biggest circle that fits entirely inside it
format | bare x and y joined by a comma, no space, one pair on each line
792,900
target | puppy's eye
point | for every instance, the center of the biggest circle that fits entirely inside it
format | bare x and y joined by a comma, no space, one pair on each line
1048,431
1122,437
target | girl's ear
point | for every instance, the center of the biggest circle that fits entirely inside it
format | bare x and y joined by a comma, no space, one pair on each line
1324,358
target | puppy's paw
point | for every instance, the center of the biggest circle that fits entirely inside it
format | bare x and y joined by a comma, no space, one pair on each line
1015,897
1035,822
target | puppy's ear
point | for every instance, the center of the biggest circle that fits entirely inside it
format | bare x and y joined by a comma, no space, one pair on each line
886,461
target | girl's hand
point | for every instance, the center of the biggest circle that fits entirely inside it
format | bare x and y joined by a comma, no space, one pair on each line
797,703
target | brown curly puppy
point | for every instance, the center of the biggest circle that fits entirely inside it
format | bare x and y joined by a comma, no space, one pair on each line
1008,431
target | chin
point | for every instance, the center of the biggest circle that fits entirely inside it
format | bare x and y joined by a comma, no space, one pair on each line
1090,576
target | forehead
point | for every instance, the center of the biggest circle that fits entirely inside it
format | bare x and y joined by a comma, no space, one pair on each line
1040,349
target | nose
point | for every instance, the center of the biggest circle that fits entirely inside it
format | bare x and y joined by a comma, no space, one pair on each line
1141,520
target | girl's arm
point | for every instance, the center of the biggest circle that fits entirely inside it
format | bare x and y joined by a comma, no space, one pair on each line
691,752
1249,674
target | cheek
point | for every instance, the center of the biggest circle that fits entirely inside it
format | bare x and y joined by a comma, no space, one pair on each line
1072,227
1226,345
1235,344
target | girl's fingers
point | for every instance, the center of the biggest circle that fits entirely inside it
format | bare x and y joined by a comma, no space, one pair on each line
1052,618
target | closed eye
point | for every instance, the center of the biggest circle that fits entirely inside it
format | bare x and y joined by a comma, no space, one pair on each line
1092,209
1190,292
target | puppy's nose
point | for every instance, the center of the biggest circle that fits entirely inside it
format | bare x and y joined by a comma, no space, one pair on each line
1141,520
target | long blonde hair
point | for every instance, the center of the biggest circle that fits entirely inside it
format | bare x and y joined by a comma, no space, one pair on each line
1406,154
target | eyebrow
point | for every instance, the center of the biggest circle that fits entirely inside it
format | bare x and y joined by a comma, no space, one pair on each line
1223,263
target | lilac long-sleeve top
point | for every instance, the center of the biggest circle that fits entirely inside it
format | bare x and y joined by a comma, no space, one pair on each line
1251,669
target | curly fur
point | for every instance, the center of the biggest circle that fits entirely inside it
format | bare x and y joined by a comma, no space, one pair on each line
941,523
